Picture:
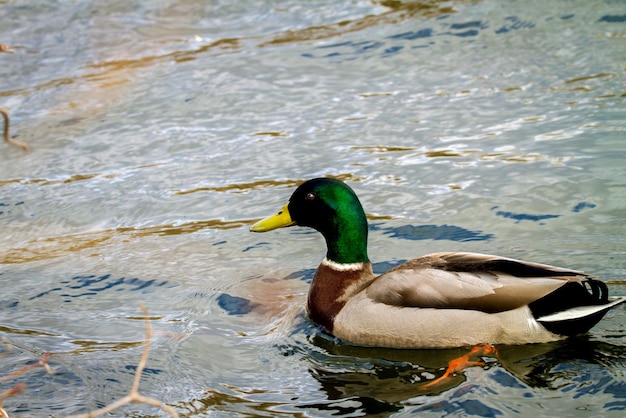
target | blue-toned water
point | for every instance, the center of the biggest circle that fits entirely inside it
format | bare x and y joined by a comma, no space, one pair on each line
160,131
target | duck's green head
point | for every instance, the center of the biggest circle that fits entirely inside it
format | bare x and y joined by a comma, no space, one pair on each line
331,207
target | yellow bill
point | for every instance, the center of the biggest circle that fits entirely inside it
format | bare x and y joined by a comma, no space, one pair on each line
279,220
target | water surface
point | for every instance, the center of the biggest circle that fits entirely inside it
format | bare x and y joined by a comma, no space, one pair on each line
159,132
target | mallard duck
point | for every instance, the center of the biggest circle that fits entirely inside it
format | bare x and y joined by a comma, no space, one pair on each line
440,300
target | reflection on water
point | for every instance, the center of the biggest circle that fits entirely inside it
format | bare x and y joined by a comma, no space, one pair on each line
53,247
160,130
365,381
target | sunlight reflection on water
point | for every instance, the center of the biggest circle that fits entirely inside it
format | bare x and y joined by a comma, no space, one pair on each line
160,131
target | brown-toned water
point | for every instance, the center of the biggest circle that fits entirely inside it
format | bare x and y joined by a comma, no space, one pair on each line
160,131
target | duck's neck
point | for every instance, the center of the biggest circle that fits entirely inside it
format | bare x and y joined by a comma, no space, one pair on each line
333,285
346,240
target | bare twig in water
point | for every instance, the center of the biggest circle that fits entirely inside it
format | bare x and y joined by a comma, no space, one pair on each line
134,396
43,363
6,394
7,138
19,387
6,48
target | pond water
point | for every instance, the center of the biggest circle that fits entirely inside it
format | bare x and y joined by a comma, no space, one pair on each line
160,131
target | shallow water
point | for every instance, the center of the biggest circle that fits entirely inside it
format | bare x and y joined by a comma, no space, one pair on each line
160,132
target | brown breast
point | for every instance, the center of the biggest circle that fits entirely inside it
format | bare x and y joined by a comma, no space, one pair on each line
332,287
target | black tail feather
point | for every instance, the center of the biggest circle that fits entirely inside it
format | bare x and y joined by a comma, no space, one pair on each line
599,291
573,294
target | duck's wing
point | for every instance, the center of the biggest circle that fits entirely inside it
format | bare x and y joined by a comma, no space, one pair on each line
472,281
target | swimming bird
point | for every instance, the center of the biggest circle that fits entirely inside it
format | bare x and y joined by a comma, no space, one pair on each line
440,300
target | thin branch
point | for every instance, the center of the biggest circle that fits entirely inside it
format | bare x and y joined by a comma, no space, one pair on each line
20,387
133,395
43,363
15,389
146,351
7,138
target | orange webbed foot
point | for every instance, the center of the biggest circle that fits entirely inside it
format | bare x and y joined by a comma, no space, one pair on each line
462,362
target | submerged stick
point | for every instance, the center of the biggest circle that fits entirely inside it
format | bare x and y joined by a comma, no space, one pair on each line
7,138
133,395
16,389
20,386
43,363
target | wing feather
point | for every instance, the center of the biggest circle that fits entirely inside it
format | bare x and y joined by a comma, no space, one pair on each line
468,281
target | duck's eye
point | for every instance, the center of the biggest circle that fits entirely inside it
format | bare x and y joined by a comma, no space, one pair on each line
309,196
